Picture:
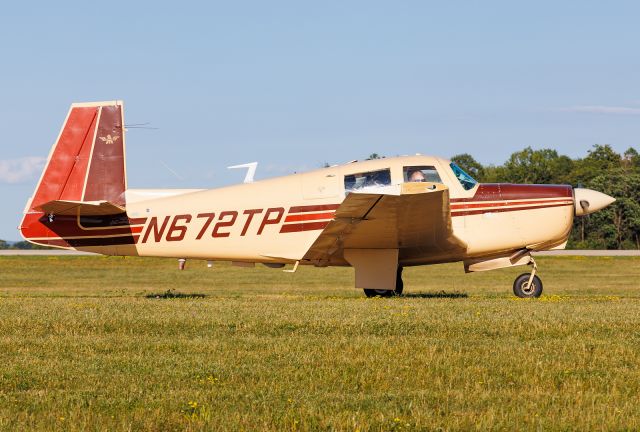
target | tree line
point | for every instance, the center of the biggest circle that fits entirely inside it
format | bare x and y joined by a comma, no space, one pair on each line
20,245
604,170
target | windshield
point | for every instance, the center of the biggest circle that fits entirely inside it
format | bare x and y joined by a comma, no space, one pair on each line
465,179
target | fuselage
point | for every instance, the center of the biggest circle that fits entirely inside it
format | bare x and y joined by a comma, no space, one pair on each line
277,220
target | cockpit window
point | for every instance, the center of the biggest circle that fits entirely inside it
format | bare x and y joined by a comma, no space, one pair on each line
421,174
367,179
465,179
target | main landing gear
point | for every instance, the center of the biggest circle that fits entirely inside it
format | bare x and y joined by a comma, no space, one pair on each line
528,285
388,293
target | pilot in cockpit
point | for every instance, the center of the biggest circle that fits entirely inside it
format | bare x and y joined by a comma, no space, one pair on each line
416,176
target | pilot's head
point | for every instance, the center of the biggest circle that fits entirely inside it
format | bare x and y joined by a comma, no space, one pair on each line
416,176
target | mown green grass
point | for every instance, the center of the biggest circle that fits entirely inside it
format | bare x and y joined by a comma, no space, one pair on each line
83,348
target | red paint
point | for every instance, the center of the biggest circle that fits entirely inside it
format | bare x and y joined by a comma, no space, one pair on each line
209,217
308,217
505,194
75,181
63,159
506,191
72,162
312,208
136,229
37,225
157,232
106,179
225,224
67,226
181,230
500,210
507,203
250,213
271,221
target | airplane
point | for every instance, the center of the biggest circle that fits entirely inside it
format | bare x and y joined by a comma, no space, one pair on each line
377,216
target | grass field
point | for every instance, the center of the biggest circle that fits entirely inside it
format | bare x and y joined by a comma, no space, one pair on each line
82,347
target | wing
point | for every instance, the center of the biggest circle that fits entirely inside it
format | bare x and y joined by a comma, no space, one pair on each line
84,208
417,222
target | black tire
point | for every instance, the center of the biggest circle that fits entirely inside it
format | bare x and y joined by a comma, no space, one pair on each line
522,290
387,293
378,293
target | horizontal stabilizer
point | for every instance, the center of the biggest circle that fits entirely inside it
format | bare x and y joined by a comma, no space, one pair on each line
84,208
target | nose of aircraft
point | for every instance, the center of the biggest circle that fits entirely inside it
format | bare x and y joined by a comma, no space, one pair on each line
588,201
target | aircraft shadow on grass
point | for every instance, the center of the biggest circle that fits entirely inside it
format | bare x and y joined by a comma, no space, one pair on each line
438,294
172,294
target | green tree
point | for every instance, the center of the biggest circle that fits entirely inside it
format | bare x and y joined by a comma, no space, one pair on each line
543,166
470,165
27,245
23,245
618,225
494,174
631,159
600,160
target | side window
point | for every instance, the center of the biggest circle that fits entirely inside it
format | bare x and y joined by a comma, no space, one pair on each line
421,174
367,180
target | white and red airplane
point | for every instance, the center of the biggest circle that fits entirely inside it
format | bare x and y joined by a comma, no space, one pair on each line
377,216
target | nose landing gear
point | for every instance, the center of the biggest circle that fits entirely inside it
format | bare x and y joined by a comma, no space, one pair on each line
528,285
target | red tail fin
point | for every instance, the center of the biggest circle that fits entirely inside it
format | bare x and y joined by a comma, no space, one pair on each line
86,163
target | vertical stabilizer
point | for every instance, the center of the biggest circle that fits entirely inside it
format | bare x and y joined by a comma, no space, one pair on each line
87,160
86,164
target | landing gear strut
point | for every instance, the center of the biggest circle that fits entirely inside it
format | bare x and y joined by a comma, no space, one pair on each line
388,293
528,285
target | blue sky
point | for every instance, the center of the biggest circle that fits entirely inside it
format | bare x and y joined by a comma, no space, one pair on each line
295,84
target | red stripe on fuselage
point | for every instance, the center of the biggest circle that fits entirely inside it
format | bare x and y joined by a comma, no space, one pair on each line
313,208
308,217
457,213
137,221
507,191
37,225
455,206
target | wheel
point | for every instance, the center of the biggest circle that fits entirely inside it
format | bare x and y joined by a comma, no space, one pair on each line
378,293
388,293
522,289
